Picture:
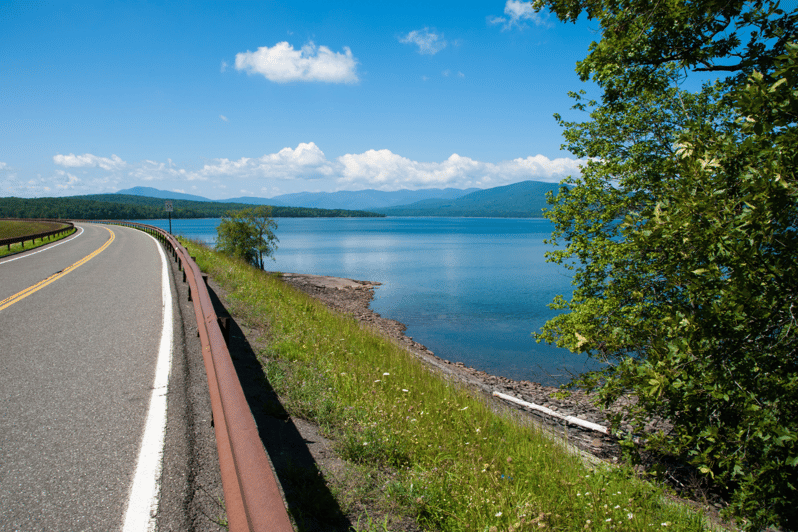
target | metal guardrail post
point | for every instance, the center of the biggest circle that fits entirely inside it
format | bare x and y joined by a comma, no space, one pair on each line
22,239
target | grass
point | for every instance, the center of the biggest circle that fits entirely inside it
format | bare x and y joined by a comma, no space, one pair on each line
15,228
446,457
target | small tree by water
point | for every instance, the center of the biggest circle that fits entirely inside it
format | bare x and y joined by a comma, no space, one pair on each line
248,234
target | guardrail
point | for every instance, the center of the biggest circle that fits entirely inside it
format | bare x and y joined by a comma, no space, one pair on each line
252,497
65,226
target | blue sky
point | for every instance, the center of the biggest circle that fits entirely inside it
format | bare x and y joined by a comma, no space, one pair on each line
264,98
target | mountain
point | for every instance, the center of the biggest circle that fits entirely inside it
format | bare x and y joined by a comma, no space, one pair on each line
349,200
163,194
519,200
249,200
526,199
365,199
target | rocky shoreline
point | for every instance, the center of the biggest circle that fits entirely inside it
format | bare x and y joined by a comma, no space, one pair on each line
353,297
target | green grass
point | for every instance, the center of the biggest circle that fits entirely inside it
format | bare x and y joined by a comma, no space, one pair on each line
453,463
15,228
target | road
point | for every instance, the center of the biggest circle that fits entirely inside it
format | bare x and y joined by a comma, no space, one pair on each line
77,367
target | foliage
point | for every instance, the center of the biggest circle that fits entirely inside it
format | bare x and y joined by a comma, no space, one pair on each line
248,234
682,235
441,452
129,207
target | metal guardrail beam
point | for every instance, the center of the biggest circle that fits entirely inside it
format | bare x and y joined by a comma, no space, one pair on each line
252,496
65,226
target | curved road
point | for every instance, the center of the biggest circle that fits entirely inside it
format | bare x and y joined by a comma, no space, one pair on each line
77,364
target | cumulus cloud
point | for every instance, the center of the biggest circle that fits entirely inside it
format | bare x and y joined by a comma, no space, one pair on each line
282,64
389,171
148,170
88,160
429,43
223,118
307,161
381,169
3,165
66,180
517,13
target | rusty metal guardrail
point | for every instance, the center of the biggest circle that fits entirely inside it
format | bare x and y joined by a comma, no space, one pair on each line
252,497
65,226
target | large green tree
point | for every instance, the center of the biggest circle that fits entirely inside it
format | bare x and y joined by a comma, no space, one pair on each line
682,231
248,234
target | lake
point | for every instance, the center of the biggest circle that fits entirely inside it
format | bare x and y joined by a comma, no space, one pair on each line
470,289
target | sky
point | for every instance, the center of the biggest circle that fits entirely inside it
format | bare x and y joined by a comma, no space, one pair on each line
229,99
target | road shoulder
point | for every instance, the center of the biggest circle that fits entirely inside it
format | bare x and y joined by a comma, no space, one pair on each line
191,488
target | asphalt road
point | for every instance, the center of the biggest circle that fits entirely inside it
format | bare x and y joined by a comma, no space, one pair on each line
77,362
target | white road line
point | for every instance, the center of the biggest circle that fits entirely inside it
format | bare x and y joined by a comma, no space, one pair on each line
46,248
142,505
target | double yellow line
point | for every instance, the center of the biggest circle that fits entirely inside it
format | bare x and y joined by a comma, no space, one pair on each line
7,302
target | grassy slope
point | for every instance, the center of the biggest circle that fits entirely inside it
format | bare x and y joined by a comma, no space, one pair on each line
14,228
19,228
456,464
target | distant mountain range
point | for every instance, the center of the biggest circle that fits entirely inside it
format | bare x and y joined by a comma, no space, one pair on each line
526,199
358,200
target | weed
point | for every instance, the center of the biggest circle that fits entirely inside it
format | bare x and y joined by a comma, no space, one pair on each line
450,460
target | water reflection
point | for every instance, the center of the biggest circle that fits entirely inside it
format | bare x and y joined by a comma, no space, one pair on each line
471,290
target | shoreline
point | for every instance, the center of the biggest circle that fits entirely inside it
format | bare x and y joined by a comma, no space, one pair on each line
353,297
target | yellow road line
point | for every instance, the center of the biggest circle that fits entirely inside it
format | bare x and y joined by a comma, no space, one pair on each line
7,302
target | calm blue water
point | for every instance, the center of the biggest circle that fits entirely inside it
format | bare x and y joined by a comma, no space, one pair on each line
470,289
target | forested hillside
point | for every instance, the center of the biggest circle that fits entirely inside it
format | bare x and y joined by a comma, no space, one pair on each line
123,207
520,200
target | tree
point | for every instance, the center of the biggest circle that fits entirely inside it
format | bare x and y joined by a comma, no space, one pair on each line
681,232
248,234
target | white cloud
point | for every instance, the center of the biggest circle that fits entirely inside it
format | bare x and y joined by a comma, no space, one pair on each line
223,118
517,13
282,64
381,169
148,170
428,43
3,165
386,170
307,161
67,180
88,160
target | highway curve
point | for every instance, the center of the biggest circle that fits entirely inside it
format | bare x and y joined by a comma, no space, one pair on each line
77,364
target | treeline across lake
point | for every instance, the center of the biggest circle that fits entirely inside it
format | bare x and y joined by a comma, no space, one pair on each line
124,207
